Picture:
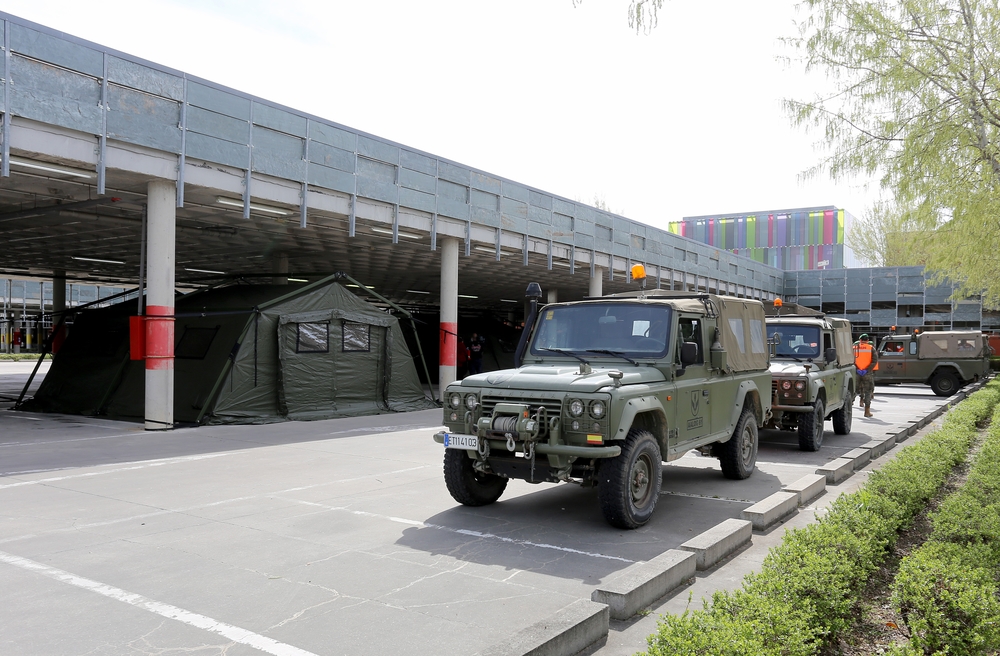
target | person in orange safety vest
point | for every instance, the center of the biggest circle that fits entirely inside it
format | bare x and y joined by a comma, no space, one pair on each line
866,363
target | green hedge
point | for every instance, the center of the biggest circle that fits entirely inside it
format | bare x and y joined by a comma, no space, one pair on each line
809,585
17,357
947,589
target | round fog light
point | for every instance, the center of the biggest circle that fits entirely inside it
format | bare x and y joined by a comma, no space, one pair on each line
597,427
454,416
575,425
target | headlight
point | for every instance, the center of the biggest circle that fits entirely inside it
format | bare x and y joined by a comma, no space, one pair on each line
455,399
576,407
471,401
800,384
786,384
597,409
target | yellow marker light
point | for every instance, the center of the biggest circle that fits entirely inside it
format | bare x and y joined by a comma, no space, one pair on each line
638,272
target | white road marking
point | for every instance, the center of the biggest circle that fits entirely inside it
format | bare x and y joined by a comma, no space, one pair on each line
234,633
467,532
705,496
145,465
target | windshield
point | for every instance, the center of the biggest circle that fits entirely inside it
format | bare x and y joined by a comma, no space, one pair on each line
608,329
796,341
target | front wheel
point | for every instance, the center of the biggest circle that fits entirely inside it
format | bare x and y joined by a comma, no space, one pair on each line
944,383
811,427
466,485
629,484
738,456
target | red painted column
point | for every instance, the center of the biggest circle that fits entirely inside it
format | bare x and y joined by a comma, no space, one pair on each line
449,314
160,257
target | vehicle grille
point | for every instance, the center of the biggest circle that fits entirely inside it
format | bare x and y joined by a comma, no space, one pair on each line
552,406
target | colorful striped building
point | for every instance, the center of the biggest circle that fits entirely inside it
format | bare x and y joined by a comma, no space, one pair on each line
794,240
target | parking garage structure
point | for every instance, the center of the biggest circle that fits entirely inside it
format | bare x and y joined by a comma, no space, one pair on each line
119,171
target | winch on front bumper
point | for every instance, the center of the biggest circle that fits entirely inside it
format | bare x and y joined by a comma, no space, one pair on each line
508,441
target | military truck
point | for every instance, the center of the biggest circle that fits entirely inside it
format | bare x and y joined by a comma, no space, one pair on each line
812,372
945,360
605,390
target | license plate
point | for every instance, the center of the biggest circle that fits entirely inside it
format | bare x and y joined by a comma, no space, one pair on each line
467,442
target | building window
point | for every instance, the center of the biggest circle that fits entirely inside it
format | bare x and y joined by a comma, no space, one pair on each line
357,336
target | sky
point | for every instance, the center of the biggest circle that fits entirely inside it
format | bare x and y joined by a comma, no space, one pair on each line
684,121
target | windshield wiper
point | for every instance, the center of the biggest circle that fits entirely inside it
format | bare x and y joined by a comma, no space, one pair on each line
565,352
617,354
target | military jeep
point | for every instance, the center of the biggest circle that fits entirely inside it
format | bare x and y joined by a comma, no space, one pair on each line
945,360
812,371
604,391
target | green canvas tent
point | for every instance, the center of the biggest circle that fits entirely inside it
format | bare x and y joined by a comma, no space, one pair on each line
244,354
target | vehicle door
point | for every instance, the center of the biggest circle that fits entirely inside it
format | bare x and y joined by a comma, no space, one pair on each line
833,377
892,358
693,419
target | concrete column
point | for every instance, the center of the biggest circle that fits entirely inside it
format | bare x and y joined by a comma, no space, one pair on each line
58,293
279,267
597,283
16,335
161,199
553,296
449,314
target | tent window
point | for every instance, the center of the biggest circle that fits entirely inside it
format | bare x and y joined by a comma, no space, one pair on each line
357,336
313,337
195,342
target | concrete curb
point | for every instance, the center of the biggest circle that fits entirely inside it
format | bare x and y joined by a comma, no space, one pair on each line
836,470
567,632
718,542
771,510
643,583
808,487
861,457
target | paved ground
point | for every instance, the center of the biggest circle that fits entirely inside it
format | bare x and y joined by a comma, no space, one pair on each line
330,537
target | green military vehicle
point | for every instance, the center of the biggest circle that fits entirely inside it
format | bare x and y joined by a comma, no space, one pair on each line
945,360
605,390
812,371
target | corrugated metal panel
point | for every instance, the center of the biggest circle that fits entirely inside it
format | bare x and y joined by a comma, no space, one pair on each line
602,236
883,317
485,215
219,101
568,208
582,240
57,51
484,200
201,146
144,78
417,162
561,222
513,224
911,283
333,136
144,119
53,95
583,226
540,200
278,154
320,153
416,180
453,173
453,208
323,176
279,120
376,180
485,182
513,207
453,191
376,149
217,125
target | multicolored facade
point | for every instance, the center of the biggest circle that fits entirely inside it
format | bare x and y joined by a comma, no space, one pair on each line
793,240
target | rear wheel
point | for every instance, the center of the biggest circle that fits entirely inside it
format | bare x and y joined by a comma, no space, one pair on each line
629,484
811,427
842,418
738,456
944,383
466,485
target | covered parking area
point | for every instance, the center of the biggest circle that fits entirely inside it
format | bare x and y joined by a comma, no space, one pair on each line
115,170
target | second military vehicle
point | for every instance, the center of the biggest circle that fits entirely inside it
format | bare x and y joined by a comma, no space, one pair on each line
945,360
605,390
812,371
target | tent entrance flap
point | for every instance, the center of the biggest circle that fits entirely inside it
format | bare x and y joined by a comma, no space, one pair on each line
332,367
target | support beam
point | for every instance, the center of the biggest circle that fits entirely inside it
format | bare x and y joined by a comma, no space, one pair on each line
279,267
161,263
597,282
449,313
58,308
553,296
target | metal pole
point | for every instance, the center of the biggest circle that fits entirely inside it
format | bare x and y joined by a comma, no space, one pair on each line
162,214
447,358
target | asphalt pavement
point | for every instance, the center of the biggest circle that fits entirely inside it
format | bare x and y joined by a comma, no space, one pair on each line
335,537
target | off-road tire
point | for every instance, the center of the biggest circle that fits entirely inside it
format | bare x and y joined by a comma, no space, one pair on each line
842,418
466,485
629,484
738,456
944,383
811,427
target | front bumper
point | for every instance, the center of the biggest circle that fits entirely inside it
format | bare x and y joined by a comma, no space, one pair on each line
543,448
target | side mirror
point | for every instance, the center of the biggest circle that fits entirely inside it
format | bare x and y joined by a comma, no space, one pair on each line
689,353
830,355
